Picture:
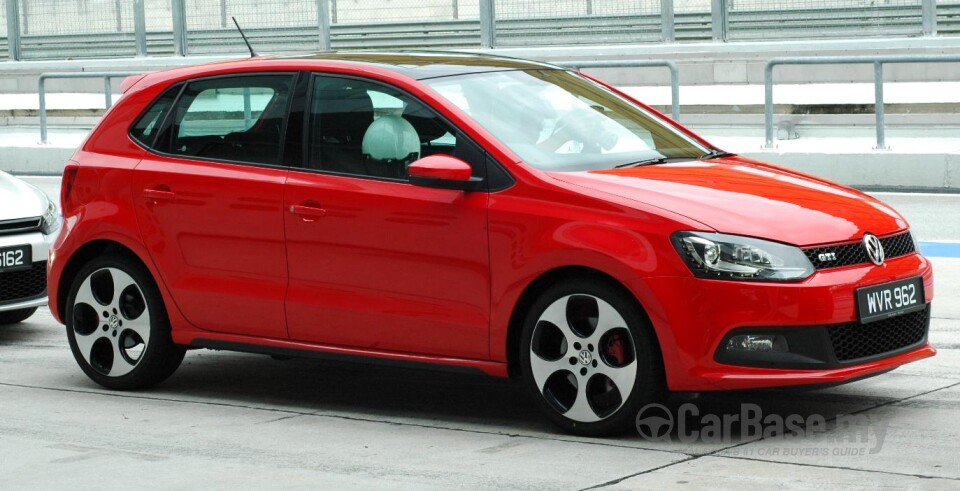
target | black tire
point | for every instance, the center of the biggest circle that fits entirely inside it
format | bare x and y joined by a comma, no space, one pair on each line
159,356
15,316
649,385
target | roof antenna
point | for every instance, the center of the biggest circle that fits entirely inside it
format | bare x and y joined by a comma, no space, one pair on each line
253,54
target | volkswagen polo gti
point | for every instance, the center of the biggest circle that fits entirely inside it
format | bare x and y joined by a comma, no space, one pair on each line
468,212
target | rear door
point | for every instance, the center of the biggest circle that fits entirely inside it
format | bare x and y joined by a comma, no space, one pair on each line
209,200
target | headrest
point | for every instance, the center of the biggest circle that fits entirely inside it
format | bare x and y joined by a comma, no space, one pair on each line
346,112
391,138
428,125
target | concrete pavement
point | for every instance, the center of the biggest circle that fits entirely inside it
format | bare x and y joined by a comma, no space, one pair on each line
247,421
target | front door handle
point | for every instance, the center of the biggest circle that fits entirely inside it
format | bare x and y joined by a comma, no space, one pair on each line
308,212
158,195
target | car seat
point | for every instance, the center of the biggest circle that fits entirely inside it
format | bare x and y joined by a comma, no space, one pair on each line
390,144
344,113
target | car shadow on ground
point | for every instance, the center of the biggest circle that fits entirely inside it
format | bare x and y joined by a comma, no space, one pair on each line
20,334
443,399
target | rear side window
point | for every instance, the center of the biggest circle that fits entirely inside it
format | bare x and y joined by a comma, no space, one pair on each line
146,128
237,119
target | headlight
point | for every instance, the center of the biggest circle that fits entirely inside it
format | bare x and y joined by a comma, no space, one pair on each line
51,218
731,257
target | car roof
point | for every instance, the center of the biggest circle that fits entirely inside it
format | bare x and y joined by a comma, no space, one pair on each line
415,65
418,65
427,64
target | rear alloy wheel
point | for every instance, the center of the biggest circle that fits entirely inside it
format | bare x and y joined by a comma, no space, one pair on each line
117,326
15,316
591,357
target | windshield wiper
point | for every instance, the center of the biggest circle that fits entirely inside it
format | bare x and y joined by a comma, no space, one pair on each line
638,163
713,154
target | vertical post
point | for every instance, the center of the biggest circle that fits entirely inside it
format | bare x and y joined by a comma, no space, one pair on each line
768,104
223,13
668,29
118,10
718,22
247,113
323,21
140,27
333,11
107,92
178,11
928,9
589,7
878,104
42,92
13,30
455,5
674,90
488,24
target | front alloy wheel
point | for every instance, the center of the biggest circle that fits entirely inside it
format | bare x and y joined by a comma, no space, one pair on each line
117,326
591,357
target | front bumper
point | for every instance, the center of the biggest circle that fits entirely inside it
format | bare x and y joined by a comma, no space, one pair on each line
26,288
695,316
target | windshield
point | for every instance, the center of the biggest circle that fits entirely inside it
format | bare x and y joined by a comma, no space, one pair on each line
559,121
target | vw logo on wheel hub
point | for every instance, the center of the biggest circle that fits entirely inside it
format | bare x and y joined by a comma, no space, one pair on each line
874,248
114,322
585,357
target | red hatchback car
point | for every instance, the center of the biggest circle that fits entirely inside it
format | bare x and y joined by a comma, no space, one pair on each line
470,212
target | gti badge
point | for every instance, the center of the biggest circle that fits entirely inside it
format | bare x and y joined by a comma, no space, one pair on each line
874,248
827,256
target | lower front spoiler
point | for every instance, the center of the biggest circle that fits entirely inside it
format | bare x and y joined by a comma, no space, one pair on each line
25,304
737,378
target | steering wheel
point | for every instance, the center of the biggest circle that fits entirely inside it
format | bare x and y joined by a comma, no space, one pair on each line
581,126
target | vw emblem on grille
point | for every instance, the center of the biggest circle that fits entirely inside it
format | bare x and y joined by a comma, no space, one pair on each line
874,248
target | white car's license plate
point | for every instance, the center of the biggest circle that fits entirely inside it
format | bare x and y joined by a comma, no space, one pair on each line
887,300
15,258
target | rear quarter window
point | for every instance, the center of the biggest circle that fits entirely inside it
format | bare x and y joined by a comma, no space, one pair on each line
145,129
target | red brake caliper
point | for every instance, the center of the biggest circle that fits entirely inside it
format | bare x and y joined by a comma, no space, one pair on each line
615,349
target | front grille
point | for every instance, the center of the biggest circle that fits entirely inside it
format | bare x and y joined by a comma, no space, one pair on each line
20,226
853,341
24,284
856,253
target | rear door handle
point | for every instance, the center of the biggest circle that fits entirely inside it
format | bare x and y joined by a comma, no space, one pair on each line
156,194
308,212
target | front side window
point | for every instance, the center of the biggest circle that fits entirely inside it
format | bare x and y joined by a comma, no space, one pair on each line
238,119
559,121
367,129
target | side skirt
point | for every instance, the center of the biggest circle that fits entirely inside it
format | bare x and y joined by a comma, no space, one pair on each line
293,349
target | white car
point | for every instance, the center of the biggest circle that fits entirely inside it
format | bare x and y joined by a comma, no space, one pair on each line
29,220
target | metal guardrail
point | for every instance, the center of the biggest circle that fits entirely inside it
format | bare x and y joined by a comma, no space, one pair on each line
179,27
876,61
674,75
107,91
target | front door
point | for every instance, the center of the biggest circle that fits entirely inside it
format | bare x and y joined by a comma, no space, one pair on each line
376,262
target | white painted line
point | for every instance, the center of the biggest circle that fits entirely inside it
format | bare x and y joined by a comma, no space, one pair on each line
903,193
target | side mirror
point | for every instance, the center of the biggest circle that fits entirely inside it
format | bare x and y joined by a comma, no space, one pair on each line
445,172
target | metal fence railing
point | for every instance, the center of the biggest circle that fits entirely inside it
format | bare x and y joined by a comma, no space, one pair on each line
876,61
762,19
42,91
59,29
